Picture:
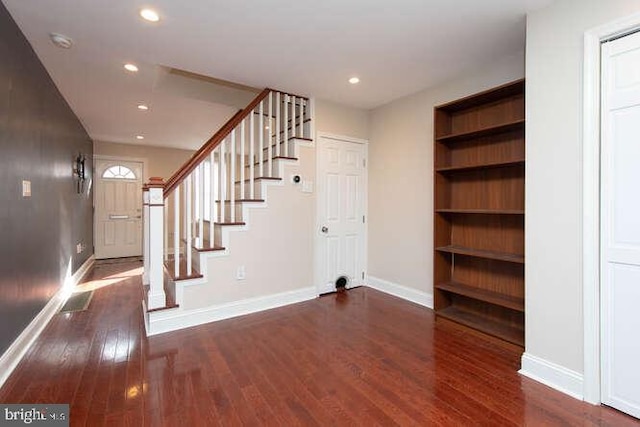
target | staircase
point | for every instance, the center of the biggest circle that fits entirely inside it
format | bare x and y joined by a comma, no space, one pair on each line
230,232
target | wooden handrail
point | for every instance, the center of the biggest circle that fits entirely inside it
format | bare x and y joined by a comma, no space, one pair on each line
211,144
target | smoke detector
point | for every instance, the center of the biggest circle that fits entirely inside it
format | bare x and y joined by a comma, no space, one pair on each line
61,41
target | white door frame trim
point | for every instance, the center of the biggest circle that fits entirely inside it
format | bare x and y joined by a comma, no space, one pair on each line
591,198
317,244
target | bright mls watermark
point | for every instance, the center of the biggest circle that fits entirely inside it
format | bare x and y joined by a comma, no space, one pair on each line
34,415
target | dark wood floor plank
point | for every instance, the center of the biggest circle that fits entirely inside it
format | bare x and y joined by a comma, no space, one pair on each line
354,358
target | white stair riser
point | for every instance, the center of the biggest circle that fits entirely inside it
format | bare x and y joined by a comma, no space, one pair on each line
257,187
282,153
228,210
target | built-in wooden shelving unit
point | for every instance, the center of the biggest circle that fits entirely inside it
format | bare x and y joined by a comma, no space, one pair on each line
479,212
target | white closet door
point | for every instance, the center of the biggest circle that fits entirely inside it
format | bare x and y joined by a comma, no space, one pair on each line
620,234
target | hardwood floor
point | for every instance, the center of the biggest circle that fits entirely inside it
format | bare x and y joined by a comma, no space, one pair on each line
355,358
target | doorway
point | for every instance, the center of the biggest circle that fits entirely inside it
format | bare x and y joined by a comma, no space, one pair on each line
118,208
341,213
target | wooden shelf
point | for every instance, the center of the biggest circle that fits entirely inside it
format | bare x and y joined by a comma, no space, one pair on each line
484,324
480,253
495,298
464,168
479,180
487,131
483,211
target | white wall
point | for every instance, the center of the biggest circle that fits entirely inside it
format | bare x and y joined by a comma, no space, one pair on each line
401,176
276,250
341,120
553,272
162,161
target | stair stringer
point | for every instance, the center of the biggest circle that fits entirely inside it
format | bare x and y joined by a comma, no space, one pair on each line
218,295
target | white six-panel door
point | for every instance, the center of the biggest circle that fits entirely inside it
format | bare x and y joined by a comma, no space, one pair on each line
118,209
341,212
620,224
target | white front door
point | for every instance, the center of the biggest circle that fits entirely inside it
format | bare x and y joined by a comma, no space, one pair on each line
342,198
118,209
620,222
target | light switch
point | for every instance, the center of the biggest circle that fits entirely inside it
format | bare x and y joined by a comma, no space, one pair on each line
26,188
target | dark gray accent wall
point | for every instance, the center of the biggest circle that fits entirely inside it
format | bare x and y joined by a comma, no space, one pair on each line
39,139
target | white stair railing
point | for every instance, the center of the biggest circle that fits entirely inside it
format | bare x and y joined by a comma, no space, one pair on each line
209,189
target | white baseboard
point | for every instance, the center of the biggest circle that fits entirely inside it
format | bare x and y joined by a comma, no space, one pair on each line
552,375
16,351
174,319
409,294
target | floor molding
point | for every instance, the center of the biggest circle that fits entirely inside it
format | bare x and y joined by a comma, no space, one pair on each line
552,375
400,291
16,351
171,320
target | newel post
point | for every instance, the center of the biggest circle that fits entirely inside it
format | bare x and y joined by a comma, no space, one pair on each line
145,234
154,242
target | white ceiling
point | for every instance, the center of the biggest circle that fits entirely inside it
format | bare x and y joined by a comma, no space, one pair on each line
307,47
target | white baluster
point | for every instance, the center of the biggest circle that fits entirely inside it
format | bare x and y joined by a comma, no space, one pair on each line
285,136
261,136
293,124
252,159
176,231
213,196
277,136
305,124
270,139
166,232
232,174
242,159
189,224
223,180
299,115
201,205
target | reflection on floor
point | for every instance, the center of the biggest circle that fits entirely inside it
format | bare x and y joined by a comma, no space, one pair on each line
353,358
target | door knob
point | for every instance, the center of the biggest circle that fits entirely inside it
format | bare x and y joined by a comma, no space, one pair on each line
324,229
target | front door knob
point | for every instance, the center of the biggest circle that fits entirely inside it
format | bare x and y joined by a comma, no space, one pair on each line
324,229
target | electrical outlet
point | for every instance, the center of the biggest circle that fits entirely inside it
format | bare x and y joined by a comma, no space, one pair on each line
79,248
240,273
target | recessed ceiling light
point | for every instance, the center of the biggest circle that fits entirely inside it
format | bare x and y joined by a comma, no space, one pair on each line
61,40
131,67
149,15
143,107
139,137
354,80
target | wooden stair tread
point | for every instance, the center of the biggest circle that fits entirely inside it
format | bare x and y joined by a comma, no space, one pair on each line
230,223
266,161
207,248
261,178
243,201
182,270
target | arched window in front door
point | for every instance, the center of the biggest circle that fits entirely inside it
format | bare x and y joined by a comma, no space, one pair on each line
119,172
